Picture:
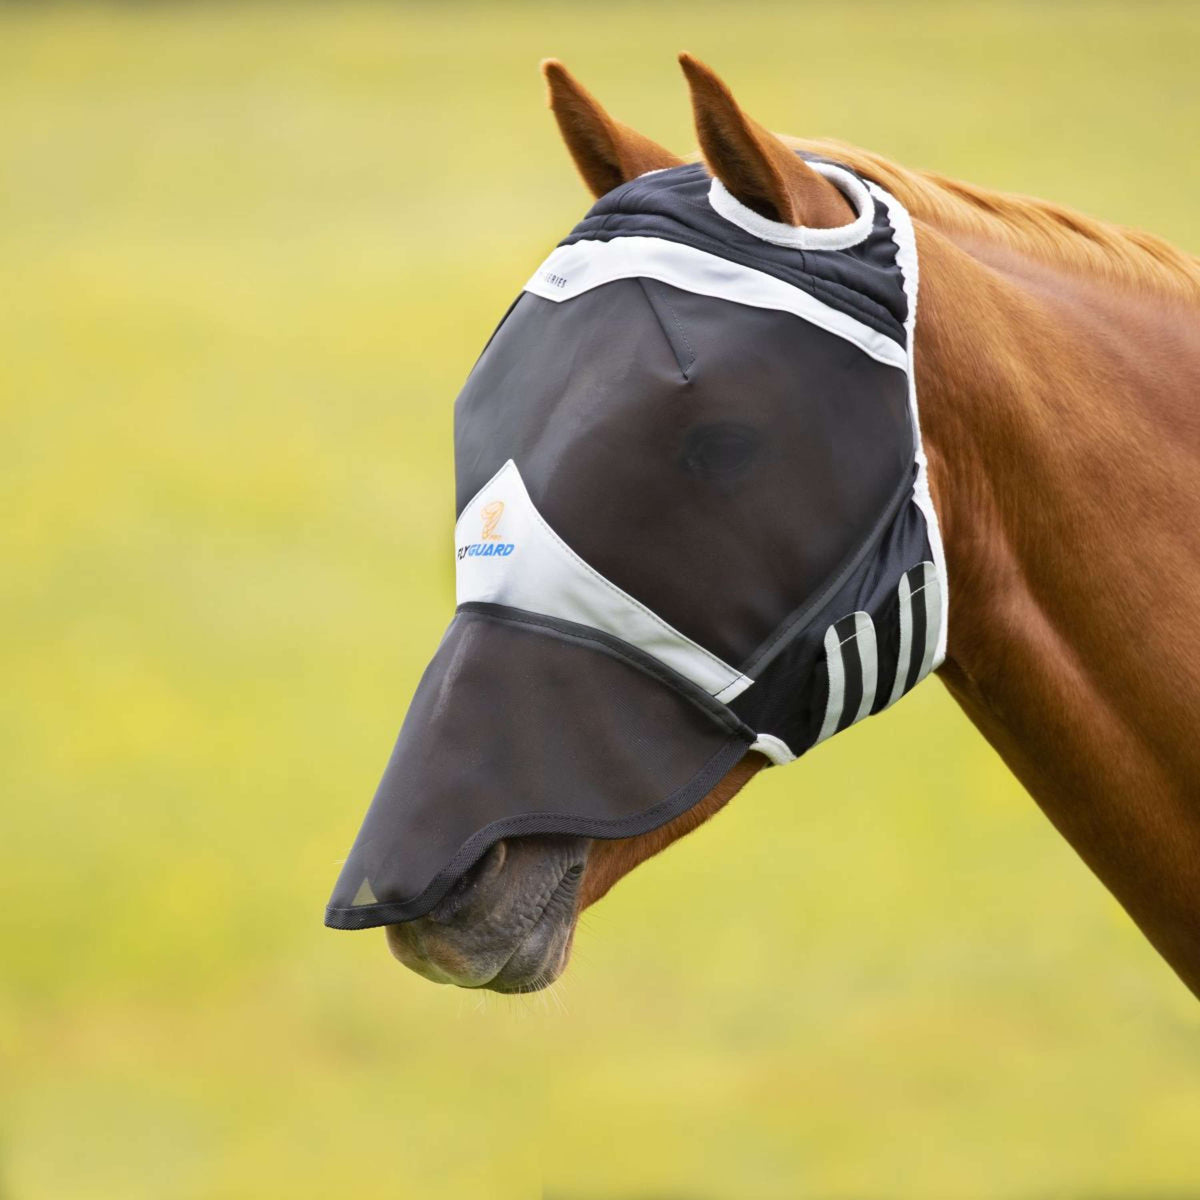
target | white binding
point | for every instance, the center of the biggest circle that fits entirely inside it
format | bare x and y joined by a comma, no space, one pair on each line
868,657
906,259
802,237
571,270
904,657
775,750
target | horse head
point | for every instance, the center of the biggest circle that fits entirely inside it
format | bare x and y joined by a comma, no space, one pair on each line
693,538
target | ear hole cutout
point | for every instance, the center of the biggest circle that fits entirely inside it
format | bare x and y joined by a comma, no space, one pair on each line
765,174
802,237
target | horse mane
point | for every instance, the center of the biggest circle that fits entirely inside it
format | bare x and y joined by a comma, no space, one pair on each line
1039,228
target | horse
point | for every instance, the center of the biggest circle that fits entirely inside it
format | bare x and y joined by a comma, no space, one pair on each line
1058,365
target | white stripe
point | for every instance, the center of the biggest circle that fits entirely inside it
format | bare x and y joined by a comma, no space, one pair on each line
933,617
868,656
906,259
802,237
575,269
538,572
902,662
837,684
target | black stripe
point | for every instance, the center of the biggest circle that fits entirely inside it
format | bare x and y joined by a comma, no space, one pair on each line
916,652
852,661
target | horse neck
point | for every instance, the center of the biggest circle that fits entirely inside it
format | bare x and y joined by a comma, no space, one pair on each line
1062,422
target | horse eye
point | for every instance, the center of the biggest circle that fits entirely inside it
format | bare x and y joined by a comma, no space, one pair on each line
721,449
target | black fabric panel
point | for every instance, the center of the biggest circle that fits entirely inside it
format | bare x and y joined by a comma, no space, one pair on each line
862,281
789,695
887,641
514,730
724,499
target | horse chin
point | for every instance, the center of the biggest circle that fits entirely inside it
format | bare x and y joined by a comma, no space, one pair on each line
508,925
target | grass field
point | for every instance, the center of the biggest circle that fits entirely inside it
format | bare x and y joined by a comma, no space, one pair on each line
250,253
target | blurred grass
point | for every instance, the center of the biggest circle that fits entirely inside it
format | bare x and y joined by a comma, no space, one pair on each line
250,253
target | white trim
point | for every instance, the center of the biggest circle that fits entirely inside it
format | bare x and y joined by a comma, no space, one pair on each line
904,658
774,749
931,586
514,558
906,260
571,270
868,659
802,237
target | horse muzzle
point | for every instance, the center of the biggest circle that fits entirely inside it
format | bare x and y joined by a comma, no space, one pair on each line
507,925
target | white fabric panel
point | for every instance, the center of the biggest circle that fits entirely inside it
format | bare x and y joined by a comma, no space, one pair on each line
906,258
906,623
933,617
868,657
506,553
572,270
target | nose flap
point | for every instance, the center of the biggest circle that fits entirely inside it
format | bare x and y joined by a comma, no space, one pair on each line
527,724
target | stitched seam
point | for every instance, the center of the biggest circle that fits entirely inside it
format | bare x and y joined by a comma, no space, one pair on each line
654,304
683,336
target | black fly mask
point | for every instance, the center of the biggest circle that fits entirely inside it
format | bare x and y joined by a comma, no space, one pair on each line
693,521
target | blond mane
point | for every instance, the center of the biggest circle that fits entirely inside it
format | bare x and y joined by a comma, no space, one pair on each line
1045,231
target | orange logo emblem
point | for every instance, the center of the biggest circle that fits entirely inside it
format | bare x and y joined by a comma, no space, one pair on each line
491,518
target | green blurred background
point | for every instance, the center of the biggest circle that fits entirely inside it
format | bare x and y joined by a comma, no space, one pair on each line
249,254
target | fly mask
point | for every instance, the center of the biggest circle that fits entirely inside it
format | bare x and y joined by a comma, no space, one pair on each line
693,521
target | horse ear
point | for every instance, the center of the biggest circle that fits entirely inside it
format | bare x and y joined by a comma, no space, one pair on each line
755,166
606,152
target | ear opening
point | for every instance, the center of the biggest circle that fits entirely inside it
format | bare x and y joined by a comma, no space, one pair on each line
754,166
606,152
803,237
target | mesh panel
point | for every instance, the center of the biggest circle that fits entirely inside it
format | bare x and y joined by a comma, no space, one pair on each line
717,462
516,729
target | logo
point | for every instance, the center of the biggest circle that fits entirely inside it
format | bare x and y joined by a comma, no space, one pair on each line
491,518
490,544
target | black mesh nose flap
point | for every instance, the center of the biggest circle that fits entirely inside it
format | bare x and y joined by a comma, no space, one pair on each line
524,727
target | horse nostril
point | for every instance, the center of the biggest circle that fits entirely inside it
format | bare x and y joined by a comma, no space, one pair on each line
490,865
483,872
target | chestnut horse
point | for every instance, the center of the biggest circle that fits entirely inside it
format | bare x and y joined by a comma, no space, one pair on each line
1058,364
